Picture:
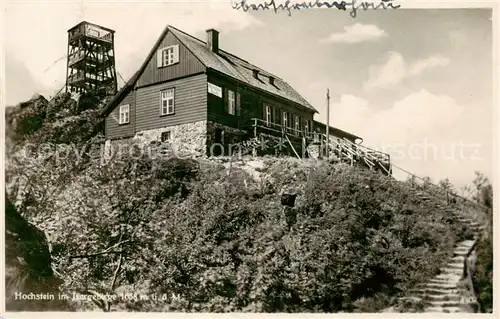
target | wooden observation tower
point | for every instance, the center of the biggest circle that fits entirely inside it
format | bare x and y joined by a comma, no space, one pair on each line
91,59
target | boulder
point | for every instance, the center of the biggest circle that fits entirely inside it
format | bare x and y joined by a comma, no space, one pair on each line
28,272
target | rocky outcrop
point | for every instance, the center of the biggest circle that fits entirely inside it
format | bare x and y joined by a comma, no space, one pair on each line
29,280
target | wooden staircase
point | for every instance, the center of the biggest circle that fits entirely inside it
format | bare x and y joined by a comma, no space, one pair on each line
355,154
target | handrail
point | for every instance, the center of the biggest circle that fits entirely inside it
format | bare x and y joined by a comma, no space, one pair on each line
440,188
368,157
291,145
280,128
467,275
367,151
344,147
347,151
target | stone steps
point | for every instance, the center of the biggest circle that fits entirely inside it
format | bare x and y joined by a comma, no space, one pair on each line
437,294
441,309
451,298
446,304
451,270
455,265
443,294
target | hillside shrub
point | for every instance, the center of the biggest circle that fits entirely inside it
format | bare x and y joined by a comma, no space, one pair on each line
201,238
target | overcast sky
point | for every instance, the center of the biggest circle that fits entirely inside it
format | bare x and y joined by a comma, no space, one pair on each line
417,83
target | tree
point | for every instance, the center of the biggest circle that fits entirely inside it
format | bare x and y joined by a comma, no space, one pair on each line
411,180
466,191
483,188
448,188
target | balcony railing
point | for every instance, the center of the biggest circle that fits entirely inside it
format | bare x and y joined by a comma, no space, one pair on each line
92,32
341,147
76,77
280,130
77,57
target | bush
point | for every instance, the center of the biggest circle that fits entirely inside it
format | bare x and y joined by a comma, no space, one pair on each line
483,279
206,240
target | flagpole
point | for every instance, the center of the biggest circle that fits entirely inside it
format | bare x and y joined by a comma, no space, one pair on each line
328,123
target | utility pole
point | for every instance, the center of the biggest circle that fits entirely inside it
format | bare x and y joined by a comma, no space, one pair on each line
327,123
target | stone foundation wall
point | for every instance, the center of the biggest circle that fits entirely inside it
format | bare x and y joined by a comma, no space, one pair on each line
230,142
186,140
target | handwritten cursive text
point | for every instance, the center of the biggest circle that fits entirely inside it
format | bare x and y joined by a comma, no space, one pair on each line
288,6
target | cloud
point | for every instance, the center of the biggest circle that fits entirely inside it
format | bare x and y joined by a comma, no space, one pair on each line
356,33
431,62
426,133
20,85
137,28
396,69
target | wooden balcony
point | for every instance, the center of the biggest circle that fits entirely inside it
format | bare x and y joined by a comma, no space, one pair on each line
80,77
89,63
77,77
262,126
340,147
92,32
75,58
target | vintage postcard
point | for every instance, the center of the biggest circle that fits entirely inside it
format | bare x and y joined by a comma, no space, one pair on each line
248,156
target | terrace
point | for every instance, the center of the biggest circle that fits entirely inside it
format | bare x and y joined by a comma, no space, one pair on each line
340,147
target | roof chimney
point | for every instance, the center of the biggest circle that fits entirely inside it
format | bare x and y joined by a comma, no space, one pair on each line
213,40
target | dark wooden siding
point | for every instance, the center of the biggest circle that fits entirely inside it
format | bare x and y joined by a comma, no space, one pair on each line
251,104
113,129
190,103
217,107
279,107
188,64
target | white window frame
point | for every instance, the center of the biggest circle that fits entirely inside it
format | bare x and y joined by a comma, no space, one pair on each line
297,124
168,56
285,119
168,133
124,113
268,115
306,126
231,102
166,96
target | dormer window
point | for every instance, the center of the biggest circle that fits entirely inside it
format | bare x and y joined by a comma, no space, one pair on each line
256,73
271,80
167,56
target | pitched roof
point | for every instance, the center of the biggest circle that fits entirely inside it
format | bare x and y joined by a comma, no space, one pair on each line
223,62
335,131
239,69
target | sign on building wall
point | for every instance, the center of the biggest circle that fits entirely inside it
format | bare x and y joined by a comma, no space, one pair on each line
215,90
93,31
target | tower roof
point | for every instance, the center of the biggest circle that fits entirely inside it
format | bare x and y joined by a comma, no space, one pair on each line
91,24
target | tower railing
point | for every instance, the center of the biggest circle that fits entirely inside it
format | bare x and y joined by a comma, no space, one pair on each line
90,62
84,30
